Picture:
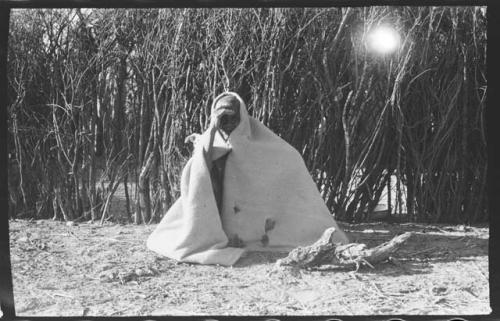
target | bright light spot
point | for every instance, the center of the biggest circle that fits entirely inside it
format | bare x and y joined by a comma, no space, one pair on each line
383,39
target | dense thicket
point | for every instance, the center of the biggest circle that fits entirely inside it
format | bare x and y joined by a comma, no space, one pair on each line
103,97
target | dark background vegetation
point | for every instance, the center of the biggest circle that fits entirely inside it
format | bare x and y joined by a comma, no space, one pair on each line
104,98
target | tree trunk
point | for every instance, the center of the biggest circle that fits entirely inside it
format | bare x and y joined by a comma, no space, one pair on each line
19,158
144,200
55,207
138,211
127,197
76,186
119,107
347,169
141,150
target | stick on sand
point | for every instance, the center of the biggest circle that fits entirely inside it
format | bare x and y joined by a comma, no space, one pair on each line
324,251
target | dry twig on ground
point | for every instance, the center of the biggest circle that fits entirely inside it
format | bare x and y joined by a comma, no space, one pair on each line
324,251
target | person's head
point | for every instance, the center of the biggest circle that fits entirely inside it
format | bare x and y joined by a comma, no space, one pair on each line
230,120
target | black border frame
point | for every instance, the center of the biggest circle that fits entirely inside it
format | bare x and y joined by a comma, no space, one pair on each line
492,131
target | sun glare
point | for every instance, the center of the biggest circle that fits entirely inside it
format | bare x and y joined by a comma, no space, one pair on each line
383,39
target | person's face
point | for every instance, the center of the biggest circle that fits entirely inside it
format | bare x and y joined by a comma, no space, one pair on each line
230,108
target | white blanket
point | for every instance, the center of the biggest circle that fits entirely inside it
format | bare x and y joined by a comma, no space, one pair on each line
265,180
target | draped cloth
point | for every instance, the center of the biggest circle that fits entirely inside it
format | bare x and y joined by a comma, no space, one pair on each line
269,201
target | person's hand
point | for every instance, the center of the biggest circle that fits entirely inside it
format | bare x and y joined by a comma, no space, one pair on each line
193,138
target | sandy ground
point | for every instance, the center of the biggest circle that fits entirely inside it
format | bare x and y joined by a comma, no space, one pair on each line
88,269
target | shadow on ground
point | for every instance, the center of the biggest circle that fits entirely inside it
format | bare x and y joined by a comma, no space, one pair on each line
436,243
428,245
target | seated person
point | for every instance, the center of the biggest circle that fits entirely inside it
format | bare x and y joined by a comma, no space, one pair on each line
244,188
